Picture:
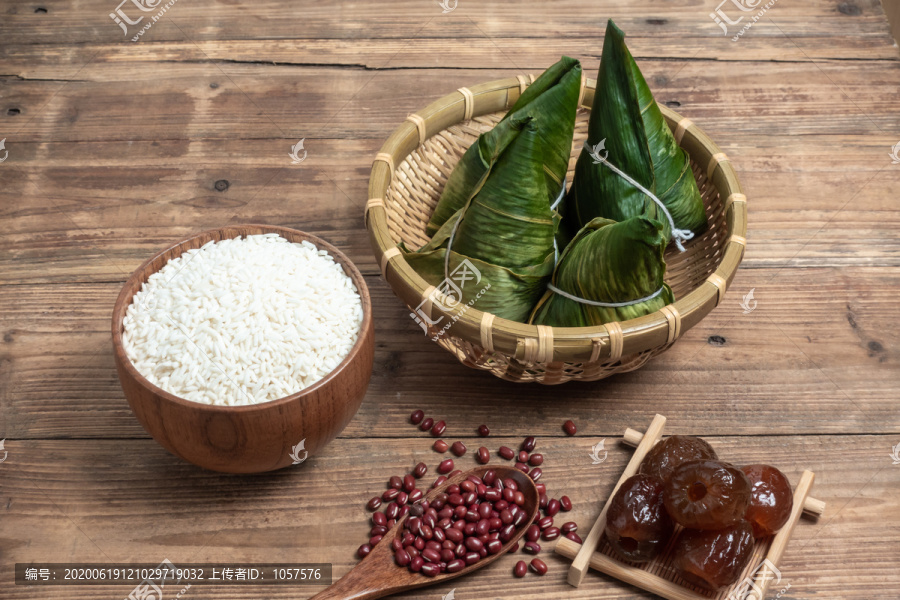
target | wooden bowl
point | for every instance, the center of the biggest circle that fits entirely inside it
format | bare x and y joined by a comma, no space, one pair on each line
406,181
259,437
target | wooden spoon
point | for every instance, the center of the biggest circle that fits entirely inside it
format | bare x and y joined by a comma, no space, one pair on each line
377,575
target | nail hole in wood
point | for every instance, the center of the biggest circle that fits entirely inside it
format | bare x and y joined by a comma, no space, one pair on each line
673,103
849,9
715,340
40,10
657,21
222,185
13,112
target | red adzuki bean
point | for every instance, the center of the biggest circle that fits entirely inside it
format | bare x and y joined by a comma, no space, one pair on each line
507,453
565,504
569,527
458,448
528,444
439,428
426,424
553,507
569,428
531,548
395,482
484,455
440,446
483,431
574,537
520,569
420,470
374,503
536,460
416,417
445,467
551,533
539,566
364,550
523,457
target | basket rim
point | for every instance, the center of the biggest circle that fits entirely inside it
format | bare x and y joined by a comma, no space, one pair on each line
538,343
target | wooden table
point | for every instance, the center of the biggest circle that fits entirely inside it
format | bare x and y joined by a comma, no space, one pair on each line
117,148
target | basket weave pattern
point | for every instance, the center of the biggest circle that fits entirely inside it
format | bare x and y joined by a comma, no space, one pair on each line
548,355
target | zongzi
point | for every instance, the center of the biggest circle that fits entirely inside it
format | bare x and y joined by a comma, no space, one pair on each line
610,271
551,101
631,154
505,229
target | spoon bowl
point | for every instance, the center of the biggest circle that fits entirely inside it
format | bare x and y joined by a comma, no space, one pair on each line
377,575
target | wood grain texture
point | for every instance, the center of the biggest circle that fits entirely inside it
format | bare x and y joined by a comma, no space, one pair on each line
130,500
115,150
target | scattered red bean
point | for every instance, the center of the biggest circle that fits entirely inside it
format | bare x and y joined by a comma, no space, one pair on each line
522,467
373,541
420,470
553,507
484,455
523,456
531,548
536,460
569,527
439,428
458,448
483,431
445,467
402,557
533,534
539,566
565,503
535,474
528,444
507,453
409,483
374,503
574,537
396,483
416,417
364,550
439,482
569,428
440,446
426,424
551,533
378,518
390,494
545,522
520,569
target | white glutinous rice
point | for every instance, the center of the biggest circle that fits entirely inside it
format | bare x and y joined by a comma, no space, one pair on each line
243,320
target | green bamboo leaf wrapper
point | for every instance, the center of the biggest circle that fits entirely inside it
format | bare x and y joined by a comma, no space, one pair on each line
612,262
639,142
505,229
551,101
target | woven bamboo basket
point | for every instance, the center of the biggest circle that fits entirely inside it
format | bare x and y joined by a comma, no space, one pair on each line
407,177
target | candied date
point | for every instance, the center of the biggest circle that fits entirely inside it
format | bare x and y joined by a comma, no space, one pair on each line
713,560
669,453
771,499
707,494
637,524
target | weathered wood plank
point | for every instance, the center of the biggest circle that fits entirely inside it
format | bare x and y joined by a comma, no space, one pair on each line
129,101
814,357
129,500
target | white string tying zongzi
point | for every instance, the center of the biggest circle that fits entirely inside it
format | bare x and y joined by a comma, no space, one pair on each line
559,198
556,290
679,235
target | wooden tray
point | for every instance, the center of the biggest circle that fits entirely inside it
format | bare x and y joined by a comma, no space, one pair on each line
658,576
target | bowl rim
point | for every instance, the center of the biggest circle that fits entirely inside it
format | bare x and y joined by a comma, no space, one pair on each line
142,273
566,344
